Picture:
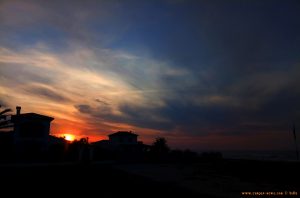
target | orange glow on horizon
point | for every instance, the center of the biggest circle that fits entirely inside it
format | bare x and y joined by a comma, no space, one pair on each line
69,137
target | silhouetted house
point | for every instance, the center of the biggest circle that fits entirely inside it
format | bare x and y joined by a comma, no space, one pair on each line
123,138
6,146
123,144
105,144
31,131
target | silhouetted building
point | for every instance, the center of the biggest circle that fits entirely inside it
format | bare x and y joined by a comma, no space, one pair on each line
122,144
103,144
123,138
119,139
31,131
6,146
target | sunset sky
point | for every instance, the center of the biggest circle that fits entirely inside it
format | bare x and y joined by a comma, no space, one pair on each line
216,75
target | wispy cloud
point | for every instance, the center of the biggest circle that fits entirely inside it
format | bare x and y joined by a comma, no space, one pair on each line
78,76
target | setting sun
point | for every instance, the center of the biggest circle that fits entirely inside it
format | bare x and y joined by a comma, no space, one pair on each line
69,137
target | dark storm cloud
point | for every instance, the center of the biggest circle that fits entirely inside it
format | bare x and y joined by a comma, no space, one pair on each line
83,108
133,115
145,117
189,117
262,103
101,101
47,93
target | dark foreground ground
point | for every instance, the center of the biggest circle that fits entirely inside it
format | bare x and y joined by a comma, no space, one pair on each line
75,180
225,178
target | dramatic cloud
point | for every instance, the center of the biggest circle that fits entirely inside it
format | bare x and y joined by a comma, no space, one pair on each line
204,74
47,93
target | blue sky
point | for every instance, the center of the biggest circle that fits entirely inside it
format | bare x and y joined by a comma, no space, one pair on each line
204,74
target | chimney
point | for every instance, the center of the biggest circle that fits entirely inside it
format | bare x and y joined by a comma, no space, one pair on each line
18,110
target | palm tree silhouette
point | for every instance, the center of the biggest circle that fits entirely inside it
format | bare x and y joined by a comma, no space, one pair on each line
5,122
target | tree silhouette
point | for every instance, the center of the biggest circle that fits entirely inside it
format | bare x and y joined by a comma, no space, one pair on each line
160,145
4,121
159,149
79,150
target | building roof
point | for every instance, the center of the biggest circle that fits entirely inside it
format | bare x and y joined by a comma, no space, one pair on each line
31,116
101,142
123,133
